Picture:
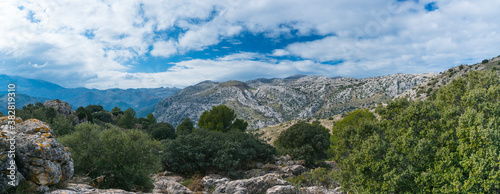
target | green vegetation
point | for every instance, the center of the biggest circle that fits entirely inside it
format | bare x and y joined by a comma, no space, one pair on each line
304,141
161,131
204,151
126,158
186,127
315,177
221,118
448,143
60,124
128,119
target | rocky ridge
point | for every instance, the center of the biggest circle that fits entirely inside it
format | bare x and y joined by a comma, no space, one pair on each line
265,102
429,86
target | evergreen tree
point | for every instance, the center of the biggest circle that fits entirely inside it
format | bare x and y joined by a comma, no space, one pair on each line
186,127
221,118
128,120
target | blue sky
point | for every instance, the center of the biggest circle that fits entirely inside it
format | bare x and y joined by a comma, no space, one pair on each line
172,43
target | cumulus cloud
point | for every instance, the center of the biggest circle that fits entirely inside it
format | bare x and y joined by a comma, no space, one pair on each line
97,43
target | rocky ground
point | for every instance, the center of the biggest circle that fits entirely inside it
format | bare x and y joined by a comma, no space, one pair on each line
269,178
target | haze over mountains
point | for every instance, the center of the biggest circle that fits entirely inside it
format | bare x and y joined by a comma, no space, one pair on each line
142,100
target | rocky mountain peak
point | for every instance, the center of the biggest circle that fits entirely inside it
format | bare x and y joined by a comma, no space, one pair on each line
264,102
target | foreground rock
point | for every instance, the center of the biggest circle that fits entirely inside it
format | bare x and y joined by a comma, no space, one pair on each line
254,185
170,184
83,188
40,160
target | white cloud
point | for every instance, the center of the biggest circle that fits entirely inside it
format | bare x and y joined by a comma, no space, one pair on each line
92,43
164,48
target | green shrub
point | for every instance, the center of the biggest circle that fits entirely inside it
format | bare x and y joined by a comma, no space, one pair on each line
448,143
485,61
205,151
103,116
161,131
126,158
304,141
186,127
316,177
62,125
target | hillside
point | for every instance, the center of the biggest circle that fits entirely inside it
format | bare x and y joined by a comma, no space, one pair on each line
431,85
141,100
265,102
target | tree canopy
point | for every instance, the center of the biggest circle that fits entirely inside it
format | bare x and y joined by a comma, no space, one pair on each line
221,118
304,141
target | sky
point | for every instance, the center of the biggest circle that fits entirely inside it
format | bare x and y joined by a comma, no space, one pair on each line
176,43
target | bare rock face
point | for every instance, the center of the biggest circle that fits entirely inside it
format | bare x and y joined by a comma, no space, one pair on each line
265,102
253,185
39,158
60,106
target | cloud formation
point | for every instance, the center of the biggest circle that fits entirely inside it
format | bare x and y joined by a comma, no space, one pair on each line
153,43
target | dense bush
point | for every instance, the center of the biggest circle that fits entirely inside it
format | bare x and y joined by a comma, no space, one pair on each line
161,131
304,141
62,125
205,151
126,158
128,119
221,118
448,143
315,177
103,116
186,127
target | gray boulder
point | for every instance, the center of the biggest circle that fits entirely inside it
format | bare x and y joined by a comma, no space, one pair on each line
60,106
253,185
170,186
39,158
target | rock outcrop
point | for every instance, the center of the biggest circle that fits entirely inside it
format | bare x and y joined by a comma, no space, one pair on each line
265,102
60,106
253,185
40,160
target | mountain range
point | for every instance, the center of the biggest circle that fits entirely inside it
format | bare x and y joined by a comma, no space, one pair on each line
142,100
264,102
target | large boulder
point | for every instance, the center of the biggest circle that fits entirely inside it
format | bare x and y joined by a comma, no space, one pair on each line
213,181
169,184
39,158
83,188
254,185
60,106
283,189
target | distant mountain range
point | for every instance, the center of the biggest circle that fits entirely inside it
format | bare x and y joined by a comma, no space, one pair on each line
265,102
28,91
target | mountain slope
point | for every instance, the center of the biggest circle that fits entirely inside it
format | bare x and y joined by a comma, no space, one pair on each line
141,100
265,102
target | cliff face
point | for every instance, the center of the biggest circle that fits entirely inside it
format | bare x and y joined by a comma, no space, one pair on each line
265,102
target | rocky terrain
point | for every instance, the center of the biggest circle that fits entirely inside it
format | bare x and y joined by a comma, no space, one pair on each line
269,178
40,161
426,88
265,102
